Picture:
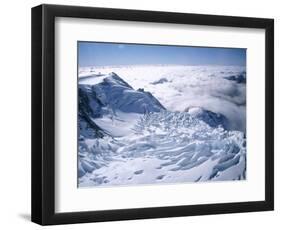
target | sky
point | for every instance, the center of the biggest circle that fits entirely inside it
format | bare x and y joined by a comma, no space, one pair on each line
108,54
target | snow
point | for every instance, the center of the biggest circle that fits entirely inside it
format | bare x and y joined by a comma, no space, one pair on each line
91,79
119,125
194,133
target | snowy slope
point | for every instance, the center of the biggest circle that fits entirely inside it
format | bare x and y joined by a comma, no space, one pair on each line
127,136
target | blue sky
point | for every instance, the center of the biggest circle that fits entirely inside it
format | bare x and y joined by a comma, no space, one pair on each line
103,54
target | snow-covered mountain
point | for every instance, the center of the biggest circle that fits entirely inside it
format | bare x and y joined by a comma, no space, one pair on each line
213,88
105,96
114,94
141,126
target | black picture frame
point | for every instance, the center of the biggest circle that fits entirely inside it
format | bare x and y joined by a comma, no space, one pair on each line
43,114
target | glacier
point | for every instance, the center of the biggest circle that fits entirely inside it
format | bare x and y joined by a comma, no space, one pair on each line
140,125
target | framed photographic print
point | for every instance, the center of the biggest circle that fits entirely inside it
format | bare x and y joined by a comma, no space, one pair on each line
142,114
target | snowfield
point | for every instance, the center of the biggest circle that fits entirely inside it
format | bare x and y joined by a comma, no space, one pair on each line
161,124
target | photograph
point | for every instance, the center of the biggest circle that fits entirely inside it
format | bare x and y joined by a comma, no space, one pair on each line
155,114
172,113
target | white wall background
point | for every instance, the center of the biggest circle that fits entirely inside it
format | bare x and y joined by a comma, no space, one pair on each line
15,113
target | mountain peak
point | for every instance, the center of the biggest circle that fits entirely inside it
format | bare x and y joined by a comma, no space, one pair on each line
113,78
113,94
